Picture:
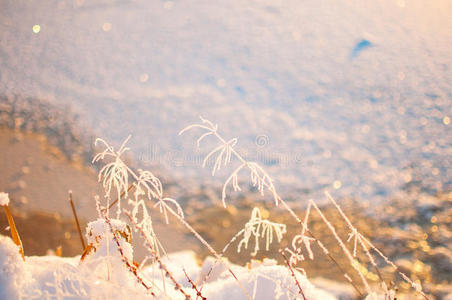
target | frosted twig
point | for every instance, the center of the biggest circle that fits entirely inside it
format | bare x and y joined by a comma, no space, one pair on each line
163,207
115,173
193,285
364,243
259,176
357,239
344,248
303,239
132,268
258,227
156,256
300,290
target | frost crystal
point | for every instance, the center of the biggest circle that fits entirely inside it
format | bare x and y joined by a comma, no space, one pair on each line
258,227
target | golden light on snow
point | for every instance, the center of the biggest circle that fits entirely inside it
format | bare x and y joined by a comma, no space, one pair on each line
106,27
36,28
446,120
337,184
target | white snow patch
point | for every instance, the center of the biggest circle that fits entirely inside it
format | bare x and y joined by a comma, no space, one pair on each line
51,277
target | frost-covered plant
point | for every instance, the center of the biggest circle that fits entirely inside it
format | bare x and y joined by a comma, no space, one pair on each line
148,187
258,227
115,173
260,178
365,244
157,258
225,150
300,240
263,181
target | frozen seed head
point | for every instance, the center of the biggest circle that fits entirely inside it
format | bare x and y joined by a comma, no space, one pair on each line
4,199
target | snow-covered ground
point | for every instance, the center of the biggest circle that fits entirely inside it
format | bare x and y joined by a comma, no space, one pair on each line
102,277
352,93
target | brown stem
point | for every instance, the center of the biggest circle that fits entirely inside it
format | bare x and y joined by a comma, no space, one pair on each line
300,290
74,212
14,232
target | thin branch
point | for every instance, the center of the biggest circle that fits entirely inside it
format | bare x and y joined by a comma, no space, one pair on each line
130,266
344,248
156,256
193,285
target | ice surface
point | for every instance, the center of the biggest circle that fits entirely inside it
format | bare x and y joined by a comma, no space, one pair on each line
352,92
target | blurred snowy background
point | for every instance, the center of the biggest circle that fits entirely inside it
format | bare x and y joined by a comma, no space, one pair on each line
353,96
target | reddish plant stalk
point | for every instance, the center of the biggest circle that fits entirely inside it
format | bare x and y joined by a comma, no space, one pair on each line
193,285
300,290
162,266
130,266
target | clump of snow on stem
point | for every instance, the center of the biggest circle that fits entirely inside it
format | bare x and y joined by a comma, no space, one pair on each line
4,199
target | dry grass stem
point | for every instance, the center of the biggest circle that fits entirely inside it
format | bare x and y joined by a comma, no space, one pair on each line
14,232
74,212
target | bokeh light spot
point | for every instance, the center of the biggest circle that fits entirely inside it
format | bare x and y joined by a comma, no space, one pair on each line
144,77
36,28
337,184
106,27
